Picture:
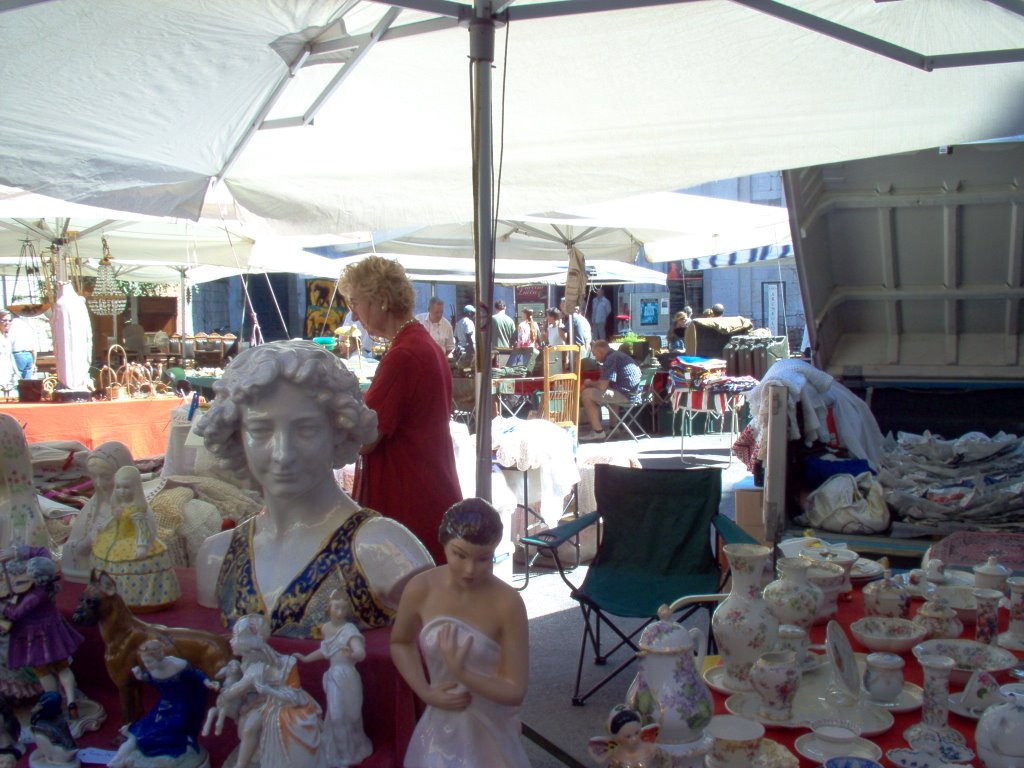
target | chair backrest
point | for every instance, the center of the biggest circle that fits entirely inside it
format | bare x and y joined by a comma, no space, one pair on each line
657,520
560,398
647,376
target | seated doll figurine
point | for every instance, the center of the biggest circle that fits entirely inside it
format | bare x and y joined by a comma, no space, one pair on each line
472,631
629,744
168,733
345,741
76,558
290,413
129,551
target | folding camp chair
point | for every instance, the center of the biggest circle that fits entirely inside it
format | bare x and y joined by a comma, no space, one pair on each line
628,419
656,547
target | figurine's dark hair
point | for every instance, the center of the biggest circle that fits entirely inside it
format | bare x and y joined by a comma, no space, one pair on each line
473,520
621,717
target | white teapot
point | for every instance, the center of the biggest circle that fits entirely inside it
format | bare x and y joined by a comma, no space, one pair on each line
999,737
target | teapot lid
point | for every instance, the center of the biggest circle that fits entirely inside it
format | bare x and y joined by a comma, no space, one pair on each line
992,567
665,635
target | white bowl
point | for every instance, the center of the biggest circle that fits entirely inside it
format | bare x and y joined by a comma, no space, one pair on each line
960,599
968,656
892,635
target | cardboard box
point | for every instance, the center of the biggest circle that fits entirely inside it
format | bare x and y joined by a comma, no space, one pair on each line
748,507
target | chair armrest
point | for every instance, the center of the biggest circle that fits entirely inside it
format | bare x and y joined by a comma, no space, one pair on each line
555,537
730,532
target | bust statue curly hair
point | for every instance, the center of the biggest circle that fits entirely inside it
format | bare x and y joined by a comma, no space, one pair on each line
255,373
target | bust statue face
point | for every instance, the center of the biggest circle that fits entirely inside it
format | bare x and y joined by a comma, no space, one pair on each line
288,442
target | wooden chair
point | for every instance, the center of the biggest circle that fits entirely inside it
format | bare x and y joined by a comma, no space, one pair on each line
560,397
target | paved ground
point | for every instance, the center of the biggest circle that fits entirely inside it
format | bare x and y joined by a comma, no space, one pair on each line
556,623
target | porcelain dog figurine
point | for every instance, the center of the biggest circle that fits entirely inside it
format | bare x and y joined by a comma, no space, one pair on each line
123,633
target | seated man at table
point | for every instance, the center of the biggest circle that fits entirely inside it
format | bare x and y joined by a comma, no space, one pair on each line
619,385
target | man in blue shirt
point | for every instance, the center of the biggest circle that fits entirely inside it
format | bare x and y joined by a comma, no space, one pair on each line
619,385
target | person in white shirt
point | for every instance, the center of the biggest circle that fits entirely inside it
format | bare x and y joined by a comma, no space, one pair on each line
435,322
24,345
8,372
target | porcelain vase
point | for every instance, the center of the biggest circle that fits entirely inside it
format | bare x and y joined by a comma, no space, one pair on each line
792,598
668,689
743,624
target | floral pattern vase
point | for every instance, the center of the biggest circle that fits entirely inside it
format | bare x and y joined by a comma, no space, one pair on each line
743,624
668,689
792,598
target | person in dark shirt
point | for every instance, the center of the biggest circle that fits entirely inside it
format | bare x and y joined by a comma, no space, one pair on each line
619,385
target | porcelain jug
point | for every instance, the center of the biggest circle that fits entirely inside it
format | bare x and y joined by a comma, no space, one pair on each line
886,598
668,689
999,737
744,624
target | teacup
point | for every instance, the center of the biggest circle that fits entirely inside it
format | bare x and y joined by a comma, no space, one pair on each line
793,638
883,676
735,741
775,676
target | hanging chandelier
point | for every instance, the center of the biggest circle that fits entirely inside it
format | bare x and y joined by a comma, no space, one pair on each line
105,300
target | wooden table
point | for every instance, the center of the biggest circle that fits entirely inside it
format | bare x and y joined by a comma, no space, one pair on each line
142,425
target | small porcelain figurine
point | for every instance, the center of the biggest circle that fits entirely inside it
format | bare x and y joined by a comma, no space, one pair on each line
76,558
344,739
278,722
21,517
129,551
40,638
289,414
628,744
472,631
55,746
168,733
228,675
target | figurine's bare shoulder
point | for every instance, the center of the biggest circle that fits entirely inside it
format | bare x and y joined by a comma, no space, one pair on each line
389,555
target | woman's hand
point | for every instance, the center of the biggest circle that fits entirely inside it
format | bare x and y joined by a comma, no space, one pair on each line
448,695
454,654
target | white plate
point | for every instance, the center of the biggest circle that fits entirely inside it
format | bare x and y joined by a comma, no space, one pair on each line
865,570
809,705
1011,643
909,699
910,758
925,589
716,680
840,653
957,708
819,750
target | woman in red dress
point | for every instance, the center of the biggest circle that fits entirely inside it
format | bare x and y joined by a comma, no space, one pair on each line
409,472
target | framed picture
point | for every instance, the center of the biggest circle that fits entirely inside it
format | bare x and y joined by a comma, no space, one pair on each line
325,308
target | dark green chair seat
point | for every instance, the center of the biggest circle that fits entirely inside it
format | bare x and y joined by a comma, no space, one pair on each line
658,543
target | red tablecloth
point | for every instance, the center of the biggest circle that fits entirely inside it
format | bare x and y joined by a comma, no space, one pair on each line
850,611
389,707
142,425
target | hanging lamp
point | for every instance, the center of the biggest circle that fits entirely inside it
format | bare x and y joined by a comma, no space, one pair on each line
105,299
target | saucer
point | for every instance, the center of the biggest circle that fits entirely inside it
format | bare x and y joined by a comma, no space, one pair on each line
1010,642
717,680
813,661
866,570
910,758
957,707
771,754
909,699
819,750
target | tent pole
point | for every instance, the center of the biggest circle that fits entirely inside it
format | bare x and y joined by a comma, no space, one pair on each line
481,54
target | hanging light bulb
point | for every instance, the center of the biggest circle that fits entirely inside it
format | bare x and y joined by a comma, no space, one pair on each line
105,300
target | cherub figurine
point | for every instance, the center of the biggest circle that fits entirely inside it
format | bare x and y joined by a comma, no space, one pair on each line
168,733
629,744
40,638
344,739
129,551
472,630
55,746
275,717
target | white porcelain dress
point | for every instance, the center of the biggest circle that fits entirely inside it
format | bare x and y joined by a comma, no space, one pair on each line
482,734
344,738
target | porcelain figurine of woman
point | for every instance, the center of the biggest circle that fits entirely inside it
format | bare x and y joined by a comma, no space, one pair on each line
40,637
76,558
629,743
129,551
345,741
168,733
472,631
278,722
290,413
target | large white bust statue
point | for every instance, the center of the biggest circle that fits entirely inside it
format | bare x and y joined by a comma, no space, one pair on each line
289,413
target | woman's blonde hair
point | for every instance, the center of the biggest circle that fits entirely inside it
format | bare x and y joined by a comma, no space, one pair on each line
378,279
